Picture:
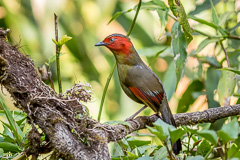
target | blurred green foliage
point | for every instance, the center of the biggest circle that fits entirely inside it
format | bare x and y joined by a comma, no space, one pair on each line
190,71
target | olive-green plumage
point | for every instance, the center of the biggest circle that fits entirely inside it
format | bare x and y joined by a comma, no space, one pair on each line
137,80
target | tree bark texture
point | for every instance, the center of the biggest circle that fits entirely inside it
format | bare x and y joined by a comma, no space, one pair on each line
71,133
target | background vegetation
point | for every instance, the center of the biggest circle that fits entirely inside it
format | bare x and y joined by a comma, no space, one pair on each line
191,72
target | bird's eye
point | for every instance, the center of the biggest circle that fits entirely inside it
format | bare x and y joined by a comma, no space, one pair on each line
112,40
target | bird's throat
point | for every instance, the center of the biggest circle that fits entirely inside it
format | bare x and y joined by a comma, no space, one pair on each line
129,57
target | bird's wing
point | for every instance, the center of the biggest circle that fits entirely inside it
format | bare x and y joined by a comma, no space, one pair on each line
148,88
152,99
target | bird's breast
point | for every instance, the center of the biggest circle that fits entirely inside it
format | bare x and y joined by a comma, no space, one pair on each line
123,71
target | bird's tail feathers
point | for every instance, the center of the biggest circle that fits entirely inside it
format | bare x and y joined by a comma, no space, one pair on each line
168,118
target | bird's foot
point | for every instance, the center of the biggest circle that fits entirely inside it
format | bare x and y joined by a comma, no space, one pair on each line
130,118
135,114
158,115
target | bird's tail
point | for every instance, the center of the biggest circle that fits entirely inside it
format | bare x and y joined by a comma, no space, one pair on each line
168,118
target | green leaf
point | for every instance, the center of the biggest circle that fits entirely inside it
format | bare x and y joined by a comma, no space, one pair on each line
160,135
131,155
203,6
16,113
19,122
163,16
162,11
226,87
237,141
204,148
205,126
231,30
229,131
118,14
161,154
179,12
209,135
161,8
224,18
163,127
214,14
160,3
204,43
195,158
233,151
53,58
231,70
170,80
14,127
6,125
117,150
9,147
119,122
150,5
124,143
211,85
144,134
147,149
176,134
192,131
64,39
203,21
188,97
137,143
145,158
233,55
179,47
7,135
209,60
57,43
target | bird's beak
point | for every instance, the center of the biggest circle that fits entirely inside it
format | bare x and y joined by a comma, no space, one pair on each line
101,44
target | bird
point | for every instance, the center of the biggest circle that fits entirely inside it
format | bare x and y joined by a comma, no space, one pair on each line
138,81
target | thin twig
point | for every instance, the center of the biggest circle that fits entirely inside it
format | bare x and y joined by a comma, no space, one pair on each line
233,37
208,153
173,17
225,148
57,55
225,52
169,152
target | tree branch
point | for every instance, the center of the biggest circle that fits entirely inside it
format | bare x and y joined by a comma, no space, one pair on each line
64,120
119,131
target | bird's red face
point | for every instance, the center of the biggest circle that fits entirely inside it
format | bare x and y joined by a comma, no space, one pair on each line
117,43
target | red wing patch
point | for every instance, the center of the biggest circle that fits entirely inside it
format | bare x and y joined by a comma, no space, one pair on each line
151,97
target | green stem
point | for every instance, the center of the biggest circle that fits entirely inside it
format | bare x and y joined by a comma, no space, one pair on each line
206,156
189,138
114,66
58,72
135,18
105,91
57,55
204,34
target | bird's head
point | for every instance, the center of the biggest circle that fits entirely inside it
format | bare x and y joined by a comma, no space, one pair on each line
118,44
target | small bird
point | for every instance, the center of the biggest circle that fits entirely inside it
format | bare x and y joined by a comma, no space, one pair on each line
138,81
